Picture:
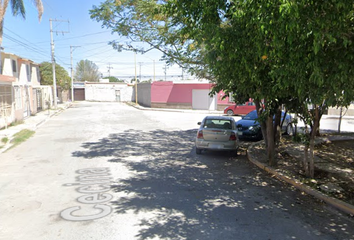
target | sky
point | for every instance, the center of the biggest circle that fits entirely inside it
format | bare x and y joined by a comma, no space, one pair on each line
72,26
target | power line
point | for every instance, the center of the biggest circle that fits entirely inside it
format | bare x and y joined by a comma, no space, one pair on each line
25,45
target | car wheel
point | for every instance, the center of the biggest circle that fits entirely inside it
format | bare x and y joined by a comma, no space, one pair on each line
289,130
198,150
230,112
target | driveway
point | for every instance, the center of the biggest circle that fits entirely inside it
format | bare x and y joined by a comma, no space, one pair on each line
109,171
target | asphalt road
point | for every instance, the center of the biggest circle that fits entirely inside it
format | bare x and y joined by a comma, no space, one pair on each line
109,171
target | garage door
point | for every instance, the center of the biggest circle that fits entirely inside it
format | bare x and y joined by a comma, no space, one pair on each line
202,101
79,94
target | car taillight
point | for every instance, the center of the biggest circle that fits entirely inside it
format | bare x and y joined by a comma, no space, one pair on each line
232,137
200,134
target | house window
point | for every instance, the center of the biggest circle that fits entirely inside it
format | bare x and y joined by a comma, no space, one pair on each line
38,75
5,101
18,98
231,98
14,66
28,71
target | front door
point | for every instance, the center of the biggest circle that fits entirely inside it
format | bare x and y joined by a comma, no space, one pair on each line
117,95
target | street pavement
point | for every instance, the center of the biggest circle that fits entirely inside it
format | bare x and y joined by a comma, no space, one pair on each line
109,171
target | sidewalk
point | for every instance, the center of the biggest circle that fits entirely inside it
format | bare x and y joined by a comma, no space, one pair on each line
30,123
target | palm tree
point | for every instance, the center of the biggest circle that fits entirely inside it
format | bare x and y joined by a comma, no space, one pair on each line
18,8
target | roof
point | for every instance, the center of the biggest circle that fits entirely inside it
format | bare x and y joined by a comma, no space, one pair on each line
219,117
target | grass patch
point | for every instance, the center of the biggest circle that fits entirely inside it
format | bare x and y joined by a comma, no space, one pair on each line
4,140
16,123
21,136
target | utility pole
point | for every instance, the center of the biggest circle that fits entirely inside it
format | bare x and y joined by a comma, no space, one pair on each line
140,63
136,84
72,48
53,58
154,70
109,69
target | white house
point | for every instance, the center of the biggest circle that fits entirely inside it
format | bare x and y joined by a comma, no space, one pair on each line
108,92
20,92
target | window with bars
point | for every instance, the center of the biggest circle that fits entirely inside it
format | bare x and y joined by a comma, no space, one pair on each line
14,66
5,100
231,98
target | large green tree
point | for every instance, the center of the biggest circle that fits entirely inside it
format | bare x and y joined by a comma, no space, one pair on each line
291,53
87,70
62,77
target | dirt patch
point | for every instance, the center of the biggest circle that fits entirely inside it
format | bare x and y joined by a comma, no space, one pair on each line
338,155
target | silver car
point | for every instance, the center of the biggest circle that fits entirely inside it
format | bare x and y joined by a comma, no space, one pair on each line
217,133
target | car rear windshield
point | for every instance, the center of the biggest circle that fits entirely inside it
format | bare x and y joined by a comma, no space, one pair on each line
217,123
251,116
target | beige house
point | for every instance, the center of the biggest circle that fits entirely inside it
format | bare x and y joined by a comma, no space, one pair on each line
21,94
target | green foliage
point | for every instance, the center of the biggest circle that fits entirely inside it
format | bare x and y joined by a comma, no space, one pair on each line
146,21
87,70
62,77
18,8
291,53
113,79
4,140
21,136
133,80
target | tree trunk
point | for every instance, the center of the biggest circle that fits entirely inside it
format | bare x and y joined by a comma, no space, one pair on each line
306,160
271,142
277,123
312,141
259,109
340,118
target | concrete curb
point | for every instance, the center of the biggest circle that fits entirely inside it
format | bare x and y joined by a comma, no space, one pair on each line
175,110
338,204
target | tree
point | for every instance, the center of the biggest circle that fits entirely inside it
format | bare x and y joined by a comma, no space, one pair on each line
287,53
62,77
320,47
113,79
18,8
87,71
200,36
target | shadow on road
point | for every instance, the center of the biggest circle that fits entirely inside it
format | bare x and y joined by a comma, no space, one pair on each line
180,195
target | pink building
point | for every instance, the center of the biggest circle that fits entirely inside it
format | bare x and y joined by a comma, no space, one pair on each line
186,96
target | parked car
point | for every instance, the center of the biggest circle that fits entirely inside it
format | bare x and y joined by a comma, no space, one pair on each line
240,109
249,128
217,133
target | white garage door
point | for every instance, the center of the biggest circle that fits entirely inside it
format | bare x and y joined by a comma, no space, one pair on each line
202,101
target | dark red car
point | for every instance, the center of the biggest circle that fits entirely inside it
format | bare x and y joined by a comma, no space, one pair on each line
240,109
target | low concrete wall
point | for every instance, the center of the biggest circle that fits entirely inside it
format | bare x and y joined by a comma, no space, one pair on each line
221,107
144,94
108,92
172,105
345,111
